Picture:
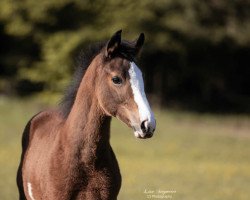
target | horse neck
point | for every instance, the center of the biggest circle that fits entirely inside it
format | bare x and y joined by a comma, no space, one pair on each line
88,127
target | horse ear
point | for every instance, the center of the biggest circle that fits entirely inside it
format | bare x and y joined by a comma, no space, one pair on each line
139,43
113,44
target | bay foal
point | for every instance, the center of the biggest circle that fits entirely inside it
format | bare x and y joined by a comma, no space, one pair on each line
66,152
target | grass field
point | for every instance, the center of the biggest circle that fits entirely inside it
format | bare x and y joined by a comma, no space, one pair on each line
199,157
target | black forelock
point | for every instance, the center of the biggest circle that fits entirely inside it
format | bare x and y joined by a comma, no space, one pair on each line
127,50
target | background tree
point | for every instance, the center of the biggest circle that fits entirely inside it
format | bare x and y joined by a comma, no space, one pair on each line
196,54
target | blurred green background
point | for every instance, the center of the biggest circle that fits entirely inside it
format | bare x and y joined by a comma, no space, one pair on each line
196,69
196,54
198,156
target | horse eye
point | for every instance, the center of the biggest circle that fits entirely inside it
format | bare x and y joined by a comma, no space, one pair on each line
116,80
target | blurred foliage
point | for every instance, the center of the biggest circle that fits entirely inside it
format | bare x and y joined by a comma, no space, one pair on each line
196,54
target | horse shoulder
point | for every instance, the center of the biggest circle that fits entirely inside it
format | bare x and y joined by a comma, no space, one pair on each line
44,124
38,138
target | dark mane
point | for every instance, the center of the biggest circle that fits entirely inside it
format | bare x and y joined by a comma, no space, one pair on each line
83,61
126,51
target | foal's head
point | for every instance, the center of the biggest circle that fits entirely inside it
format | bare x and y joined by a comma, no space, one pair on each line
120,87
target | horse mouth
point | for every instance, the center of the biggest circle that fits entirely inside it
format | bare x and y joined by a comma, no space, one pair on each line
142,134
148,135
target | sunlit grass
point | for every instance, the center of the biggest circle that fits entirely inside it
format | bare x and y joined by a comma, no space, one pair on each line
198,156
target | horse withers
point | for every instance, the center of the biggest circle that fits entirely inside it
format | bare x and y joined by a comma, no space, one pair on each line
66,152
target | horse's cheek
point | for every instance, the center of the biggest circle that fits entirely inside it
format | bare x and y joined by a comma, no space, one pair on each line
107,100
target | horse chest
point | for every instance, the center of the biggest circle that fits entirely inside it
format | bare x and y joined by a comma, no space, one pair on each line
103,183
89,181
98,184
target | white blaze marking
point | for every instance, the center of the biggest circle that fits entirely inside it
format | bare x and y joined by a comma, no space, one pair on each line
140,98
30,191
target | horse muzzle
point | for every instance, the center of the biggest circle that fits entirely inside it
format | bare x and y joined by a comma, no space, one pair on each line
145,130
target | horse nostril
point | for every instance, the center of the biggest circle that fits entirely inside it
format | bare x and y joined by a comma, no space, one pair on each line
143,127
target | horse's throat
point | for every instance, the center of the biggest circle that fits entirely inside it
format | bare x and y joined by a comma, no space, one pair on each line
95,142
88,129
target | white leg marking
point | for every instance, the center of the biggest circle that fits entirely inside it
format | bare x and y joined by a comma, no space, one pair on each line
140,98
30,191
